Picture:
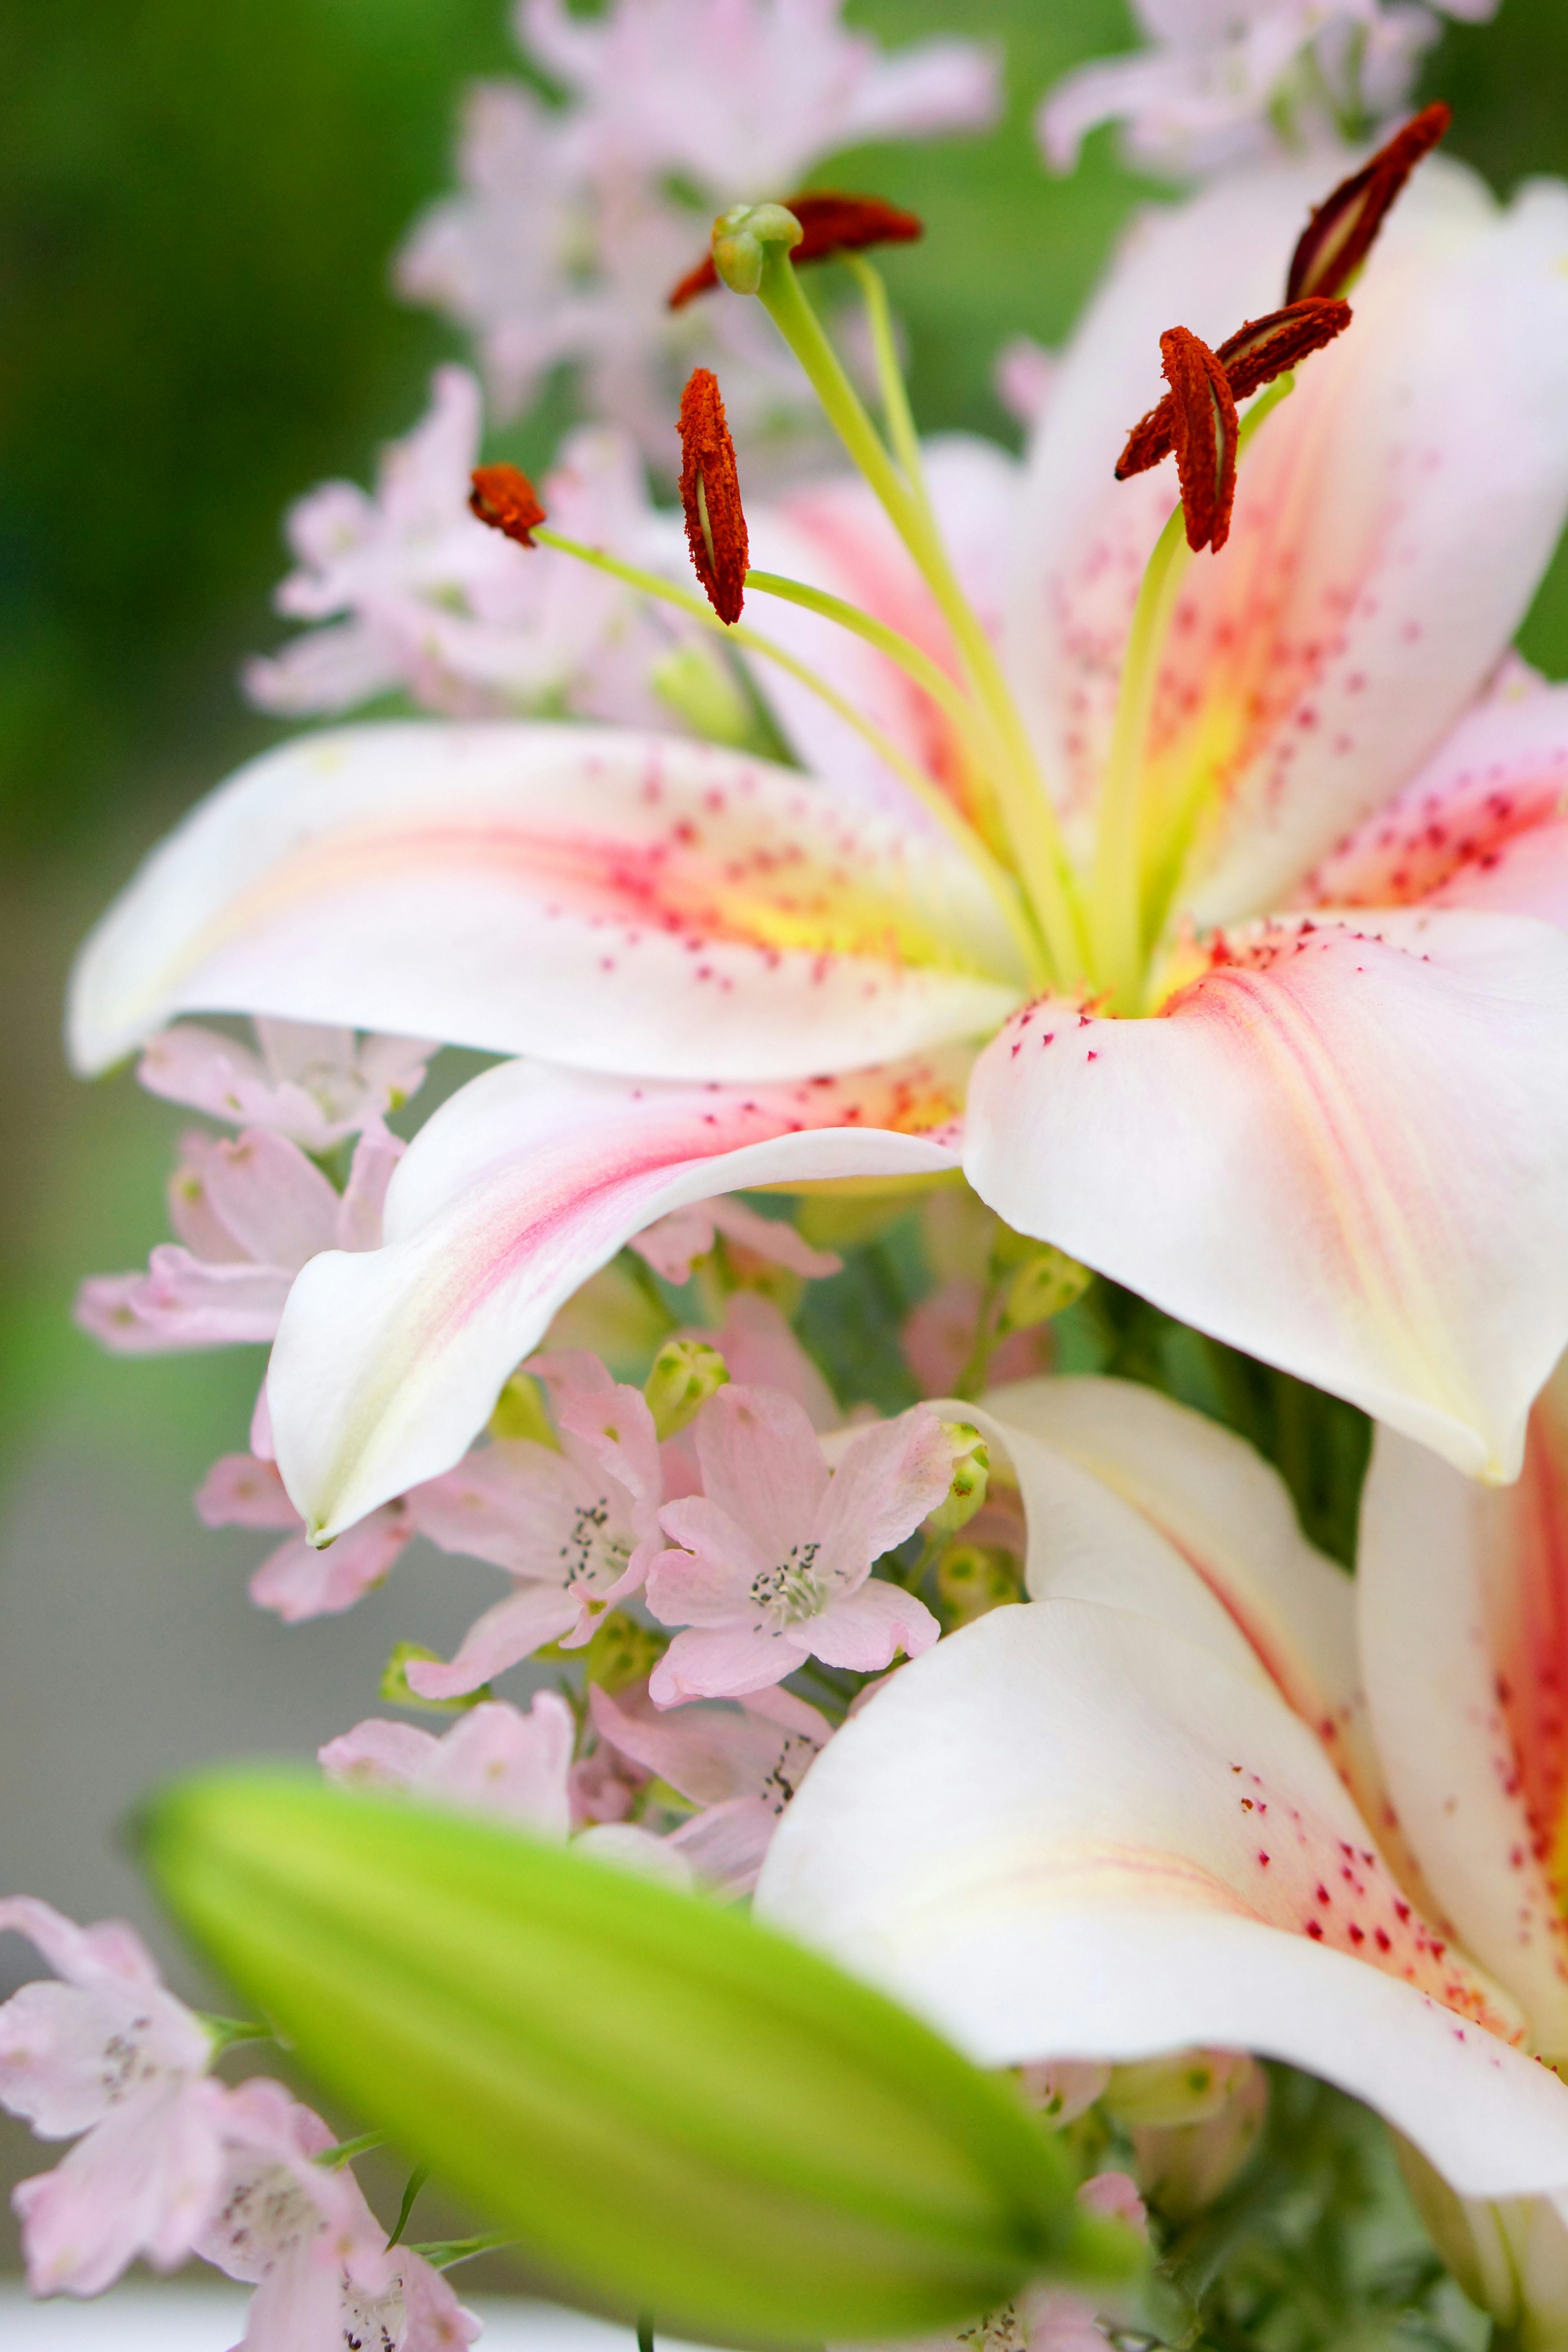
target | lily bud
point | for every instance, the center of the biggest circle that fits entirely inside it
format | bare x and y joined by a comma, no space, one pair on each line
742,239
1047,1283
788,2157
685,1374
971,1478
1187,2087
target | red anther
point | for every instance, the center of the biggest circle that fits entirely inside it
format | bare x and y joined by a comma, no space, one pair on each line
710,496
1340,235
829,224
503,497
1204,424
1252,357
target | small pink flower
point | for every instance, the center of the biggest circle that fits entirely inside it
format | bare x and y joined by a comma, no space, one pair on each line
672,1244
495,1756
777,1550
313,1085
248,1212
576,1528
298,1581
108,2053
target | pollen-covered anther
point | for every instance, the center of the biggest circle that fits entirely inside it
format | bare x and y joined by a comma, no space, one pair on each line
1340,232
503,497
1254,356
710,496
829,224
1204,424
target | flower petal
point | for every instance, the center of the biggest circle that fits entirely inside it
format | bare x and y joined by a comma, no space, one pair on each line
1048,1837
1463,1600
613,900
516,1627
1345,1154
529,1178
866,1631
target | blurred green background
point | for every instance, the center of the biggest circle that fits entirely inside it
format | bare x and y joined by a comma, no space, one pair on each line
197,207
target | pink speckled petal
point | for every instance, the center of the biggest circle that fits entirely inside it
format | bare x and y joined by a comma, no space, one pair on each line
1047,1836
1345,1154
527,1180
605,900
1462,1593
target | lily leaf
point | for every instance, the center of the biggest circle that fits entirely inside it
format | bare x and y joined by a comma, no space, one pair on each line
676,2111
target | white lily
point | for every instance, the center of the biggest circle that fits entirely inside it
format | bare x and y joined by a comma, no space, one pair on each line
1336,1138
1153,1807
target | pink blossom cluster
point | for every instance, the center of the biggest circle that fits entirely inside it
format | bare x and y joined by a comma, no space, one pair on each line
573,222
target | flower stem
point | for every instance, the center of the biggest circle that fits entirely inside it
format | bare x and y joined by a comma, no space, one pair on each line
929,794
896,410
1028,813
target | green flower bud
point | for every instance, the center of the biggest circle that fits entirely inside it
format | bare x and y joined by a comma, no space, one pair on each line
974,1578
618,1653
685,1374
1183,2168
519,1411
394,1684
971,1478
678,2111
1185,2088
740,239
1047,1283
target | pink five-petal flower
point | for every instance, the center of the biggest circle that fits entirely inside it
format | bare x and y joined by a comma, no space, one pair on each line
299,1581
777,1551
494,1757
672,1244
107,2052
1152,1807
250,1212
576,1527
1342,1148
313,1085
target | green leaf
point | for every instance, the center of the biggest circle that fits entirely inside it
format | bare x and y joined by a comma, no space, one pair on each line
675,2109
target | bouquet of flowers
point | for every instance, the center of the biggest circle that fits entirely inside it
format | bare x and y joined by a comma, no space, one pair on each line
1015,1134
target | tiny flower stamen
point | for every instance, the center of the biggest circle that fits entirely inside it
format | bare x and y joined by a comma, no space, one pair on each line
1343,227
711,497
503,497
829,224
1258,352
1204,424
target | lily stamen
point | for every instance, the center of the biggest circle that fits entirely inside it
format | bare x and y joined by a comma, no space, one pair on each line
1343,227
710,496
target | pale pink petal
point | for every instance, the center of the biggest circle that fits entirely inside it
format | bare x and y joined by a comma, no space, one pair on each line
143,2181
278,1205
867,1629
508,1762
713,1580
512,1630
1114,2197
238,1491
1048,1837
1483,826
1462,1593
888,1478
299,1581
613,1433
722,1661
762,1350
182,1303
194,1220
672,1244
1345,1154
773,1238
523,1183
612,900
713,1755
726,1843
378,1755
206,1070
359,1212
437,2321
111,1950
761,1465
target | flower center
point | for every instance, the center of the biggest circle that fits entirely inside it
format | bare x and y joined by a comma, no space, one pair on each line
790,1593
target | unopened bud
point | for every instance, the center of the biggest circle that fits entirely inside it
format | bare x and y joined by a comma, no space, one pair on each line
742,237
1187,2087
620,1652
974,1578
1046,1283
685,1374
398,1691
1183,2168
519,1411
971,1478
1061,2089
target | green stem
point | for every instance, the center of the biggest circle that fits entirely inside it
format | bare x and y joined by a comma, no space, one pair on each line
928,793
896,410
1028,813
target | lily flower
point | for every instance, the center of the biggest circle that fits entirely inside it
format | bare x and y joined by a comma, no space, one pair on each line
1107,956
1201,1787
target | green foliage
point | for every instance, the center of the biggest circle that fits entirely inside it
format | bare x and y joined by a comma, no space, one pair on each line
675,2109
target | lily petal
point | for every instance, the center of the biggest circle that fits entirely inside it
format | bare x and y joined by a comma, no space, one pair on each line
388,1363
1345,1154
1463,1600
604,899
1048,1837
